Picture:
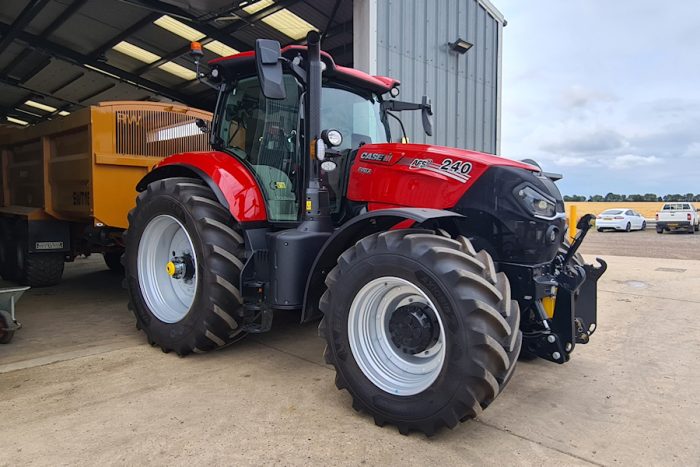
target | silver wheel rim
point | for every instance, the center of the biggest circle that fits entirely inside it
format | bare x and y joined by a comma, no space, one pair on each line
168,297
376,354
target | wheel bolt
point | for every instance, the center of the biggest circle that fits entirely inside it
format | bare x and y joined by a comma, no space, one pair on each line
551,339
556,355
568,347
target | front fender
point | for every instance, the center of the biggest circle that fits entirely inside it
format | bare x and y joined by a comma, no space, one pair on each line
232,182
358,228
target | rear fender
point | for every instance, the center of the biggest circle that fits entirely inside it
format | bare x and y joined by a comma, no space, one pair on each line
231,181
358,228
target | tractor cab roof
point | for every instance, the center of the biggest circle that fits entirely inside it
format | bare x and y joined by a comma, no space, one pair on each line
243,64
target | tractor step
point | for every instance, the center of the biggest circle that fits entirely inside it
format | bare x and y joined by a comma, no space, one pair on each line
261,321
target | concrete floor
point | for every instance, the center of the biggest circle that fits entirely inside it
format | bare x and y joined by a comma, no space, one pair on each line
79,385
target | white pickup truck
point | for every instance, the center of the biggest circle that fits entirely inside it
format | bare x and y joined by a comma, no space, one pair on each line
680,215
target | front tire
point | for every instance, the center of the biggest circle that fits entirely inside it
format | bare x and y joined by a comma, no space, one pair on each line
420,328
183,262
628,227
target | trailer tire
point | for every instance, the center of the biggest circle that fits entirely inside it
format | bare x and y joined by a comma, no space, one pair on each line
5,322
9,267
113,260
479,336
211,319
41,269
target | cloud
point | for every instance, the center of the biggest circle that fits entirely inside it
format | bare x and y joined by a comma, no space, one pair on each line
598,106
693,150
579,97
628,161
593,142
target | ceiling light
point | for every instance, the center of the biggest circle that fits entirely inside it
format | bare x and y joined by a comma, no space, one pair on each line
460,46
179,28
220,48
40,106
283,20
136,52
17,121
178,70
257,6
63,113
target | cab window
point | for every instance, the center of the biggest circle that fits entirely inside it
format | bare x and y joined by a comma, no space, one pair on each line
262,132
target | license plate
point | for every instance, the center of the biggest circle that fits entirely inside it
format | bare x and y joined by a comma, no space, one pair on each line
48,245
607,218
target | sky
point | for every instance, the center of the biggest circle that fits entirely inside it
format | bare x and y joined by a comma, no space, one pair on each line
606,92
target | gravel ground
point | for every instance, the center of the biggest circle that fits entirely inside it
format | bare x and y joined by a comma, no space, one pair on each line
647,244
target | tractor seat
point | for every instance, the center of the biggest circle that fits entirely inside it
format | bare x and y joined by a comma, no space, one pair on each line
278,190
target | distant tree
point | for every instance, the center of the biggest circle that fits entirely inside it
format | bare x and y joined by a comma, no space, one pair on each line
696,197
596,198
635,198
659,198
688,197
650,197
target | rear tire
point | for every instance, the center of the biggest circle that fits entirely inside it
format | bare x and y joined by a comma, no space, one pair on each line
659,230
200,313
644,225
479,336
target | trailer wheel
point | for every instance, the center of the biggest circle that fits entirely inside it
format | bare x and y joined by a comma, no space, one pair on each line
9,268
40,269
420,328
5,322
113,260
183,262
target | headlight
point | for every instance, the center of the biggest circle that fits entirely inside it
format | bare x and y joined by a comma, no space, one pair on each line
535,202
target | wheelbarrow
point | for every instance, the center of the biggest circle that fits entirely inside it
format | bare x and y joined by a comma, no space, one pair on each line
8,324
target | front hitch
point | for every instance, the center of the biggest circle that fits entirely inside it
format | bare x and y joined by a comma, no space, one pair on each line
575,311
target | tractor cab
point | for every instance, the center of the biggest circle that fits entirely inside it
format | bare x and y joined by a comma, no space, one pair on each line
268,133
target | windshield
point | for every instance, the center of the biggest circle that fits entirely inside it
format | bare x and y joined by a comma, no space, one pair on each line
677,207
356,117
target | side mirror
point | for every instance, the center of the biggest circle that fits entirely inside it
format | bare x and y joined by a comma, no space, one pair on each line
585,221
269,65
202,125
427,114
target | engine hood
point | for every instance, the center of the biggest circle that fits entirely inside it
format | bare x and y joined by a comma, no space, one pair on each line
419,175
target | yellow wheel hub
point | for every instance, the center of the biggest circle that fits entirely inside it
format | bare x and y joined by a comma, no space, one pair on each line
170,267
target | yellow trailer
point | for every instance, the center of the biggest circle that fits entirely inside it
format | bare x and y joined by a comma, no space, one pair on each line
68,184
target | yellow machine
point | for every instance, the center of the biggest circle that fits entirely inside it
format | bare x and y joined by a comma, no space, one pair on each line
69,183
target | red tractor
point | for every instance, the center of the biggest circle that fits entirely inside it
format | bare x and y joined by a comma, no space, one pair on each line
430,267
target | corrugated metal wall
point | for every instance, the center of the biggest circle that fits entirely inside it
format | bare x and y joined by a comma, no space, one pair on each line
412,38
